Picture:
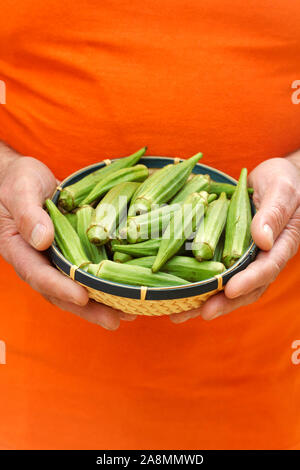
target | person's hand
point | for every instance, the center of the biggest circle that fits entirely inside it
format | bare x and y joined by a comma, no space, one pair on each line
26,229
275,230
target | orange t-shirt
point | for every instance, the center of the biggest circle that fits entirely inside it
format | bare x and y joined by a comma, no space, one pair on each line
88,80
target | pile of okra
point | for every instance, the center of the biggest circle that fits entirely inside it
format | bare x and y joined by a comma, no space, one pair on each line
158,228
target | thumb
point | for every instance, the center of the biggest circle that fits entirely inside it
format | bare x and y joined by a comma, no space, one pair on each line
276,207
33,182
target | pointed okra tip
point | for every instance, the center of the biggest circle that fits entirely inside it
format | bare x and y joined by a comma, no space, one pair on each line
51,207
48,203
223,196
142,151
243,176
195,158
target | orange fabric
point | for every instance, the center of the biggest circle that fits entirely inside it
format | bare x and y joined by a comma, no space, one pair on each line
89,80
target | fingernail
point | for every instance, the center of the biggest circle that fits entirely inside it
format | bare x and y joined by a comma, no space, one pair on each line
106,327
127,316
269,233
183,317
37,235
79,302
213,316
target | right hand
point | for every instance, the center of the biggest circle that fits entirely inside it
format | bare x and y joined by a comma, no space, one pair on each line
26,229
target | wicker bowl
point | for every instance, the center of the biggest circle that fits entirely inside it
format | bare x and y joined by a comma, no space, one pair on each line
150,300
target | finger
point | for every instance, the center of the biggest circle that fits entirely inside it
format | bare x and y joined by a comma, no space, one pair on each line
35,269
127,316
23,196
184,316
267,265
277,205
93,312
219,304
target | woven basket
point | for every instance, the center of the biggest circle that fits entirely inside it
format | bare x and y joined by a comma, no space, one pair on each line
149,300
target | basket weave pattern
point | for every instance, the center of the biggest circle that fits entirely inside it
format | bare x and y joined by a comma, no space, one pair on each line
149,307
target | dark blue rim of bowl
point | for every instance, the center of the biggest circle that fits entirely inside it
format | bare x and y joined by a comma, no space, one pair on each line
152,293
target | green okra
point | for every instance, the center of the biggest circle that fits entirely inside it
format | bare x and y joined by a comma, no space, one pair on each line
212,197
153,179
219,250
237,231
72,218
119,257
195,185
149,225
167,187
117,239
226,188
134,174
136,276
110,212
93,268
94,253
182,224
66,237
71,196
193,270
183,266
211,228
147,248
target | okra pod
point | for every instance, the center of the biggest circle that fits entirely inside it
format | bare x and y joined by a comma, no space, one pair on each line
211,228
195,185
72,218
94,253
136,276
135,173
219,250
153,179
117,239
66,237
168,186
184,266
72,195
109,212
119,257
212,197
147,248
237,232
149,225
226,188
182,224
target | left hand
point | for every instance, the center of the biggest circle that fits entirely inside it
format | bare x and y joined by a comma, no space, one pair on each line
275,230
